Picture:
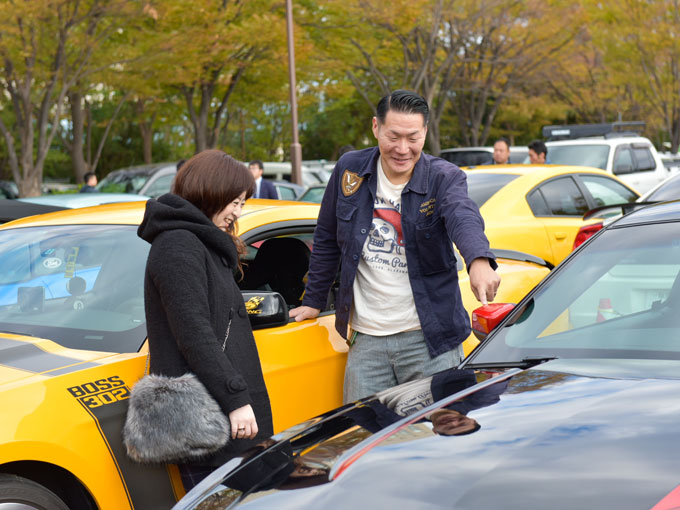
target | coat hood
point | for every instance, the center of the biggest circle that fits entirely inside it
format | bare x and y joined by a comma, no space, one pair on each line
172,212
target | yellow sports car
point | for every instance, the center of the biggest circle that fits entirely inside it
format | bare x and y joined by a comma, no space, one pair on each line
73,343
539,209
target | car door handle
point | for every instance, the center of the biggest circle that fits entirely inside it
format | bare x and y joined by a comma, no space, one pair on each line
560,236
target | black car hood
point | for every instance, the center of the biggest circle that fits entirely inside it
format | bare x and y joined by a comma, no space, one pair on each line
546,439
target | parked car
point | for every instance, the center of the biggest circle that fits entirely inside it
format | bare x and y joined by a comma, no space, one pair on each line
474,156
539,209
281,171
74,200
288,190
611,147
8,189
152,180
669,189
313,193
73,342
571,402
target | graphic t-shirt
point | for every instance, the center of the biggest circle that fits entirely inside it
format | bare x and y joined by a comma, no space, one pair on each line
383,299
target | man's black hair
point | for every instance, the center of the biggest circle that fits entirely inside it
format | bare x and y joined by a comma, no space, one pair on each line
538,147
88,176
404,101
258,163
504,139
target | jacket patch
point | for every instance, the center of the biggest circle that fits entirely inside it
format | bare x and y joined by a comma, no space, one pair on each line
427,208
350,183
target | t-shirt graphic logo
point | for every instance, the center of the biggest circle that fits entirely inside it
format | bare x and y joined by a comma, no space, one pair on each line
350,183
386,235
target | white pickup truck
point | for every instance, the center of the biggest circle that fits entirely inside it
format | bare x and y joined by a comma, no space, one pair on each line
627,155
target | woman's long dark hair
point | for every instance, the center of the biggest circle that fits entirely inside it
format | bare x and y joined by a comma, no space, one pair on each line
211,180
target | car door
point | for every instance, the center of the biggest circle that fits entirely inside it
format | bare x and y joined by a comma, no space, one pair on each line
560,205
303,363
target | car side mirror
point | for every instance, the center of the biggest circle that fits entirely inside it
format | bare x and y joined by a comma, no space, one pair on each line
265,309
487,317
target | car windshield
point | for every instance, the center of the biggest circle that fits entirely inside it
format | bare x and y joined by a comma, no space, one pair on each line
314,194
482,186
583,155
123,182
78,285
669,191
618,298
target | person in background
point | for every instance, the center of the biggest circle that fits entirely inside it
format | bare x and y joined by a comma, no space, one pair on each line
388,218
195,315
264,188
501,151
538,153
90,180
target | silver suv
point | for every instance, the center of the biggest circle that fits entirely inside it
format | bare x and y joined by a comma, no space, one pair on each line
611,147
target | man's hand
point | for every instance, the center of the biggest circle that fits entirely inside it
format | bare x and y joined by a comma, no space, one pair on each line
302,313
484,281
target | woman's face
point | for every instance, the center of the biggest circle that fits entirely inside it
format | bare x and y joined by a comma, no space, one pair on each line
226,218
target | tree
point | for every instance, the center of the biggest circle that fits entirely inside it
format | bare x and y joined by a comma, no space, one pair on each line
46,47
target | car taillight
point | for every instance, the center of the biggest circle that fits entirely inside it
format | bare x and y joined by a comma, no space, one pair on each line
584,233
487,317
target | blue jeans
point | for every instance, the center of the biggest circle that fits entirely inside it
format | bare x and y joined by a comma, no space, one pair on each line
375,363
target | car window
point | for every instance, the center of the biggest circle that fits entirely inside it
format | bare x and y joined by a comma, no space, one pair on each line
313,195
643,159
606,191
285,193
669,191
79,285
584,155
469,157
482,186
160,186
537,203
617,299
623,161
563,197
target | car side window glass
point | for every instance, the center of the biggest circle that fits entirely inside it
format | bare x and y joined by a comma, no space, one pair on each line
643,158
537,204
669,191
160,186
564,198
607,191
623,161
285,193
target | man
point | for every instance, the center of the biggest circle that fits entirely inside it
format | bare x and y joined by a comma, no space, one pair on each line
388,217
90,182
263,188
538,153
501,151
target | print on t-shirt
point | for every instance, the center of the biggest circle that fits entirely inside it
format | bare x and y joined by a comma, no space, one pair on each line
384,250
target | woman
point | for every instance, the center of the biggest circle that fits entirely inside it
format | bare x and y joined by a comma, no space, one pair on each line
193,303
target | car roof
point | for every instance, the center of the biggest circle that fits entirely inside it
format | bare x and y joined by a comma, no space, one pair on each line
14,209
613,141
73,200
255,213
147,169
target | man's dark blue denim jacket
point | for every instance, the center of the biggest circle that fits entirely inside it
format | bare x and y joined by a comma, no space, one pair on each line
435,210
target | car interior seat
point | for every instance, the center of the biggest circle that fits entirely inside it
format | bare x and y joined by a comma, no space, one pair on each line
280,264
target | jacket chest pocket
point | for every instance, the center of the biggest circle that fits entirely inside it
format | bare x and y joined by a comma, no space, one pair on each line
435,250
345,213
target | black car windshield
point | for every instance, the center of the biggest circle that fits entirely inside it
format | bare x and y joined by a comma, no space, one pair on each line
669,191
482,186
583,155
617,298
78,285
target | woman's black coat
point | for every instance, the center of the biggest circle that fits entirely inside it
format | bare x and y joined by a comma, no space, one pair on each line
190,294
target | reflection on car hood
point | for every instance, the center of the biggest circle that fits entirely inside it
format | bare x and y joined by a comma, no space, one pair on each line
24,357
552,439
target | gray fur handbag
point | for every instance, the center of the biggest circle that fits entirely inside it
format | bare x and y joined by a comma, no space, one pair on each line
173,419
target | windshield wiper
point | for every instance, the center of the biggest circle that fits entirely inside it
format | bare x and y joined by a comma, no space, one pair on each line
528,362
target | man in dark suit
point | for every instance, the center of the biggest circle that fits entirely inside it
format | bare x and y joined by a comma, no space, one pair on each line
263,188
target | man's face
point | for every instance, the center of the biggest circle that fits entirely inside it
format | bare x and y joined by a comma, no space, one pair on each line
536,158
255,170
501,152
400,139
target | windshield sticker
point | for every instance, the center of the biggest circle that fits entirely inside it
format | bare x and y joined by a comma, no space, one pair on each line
71,262
51,263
